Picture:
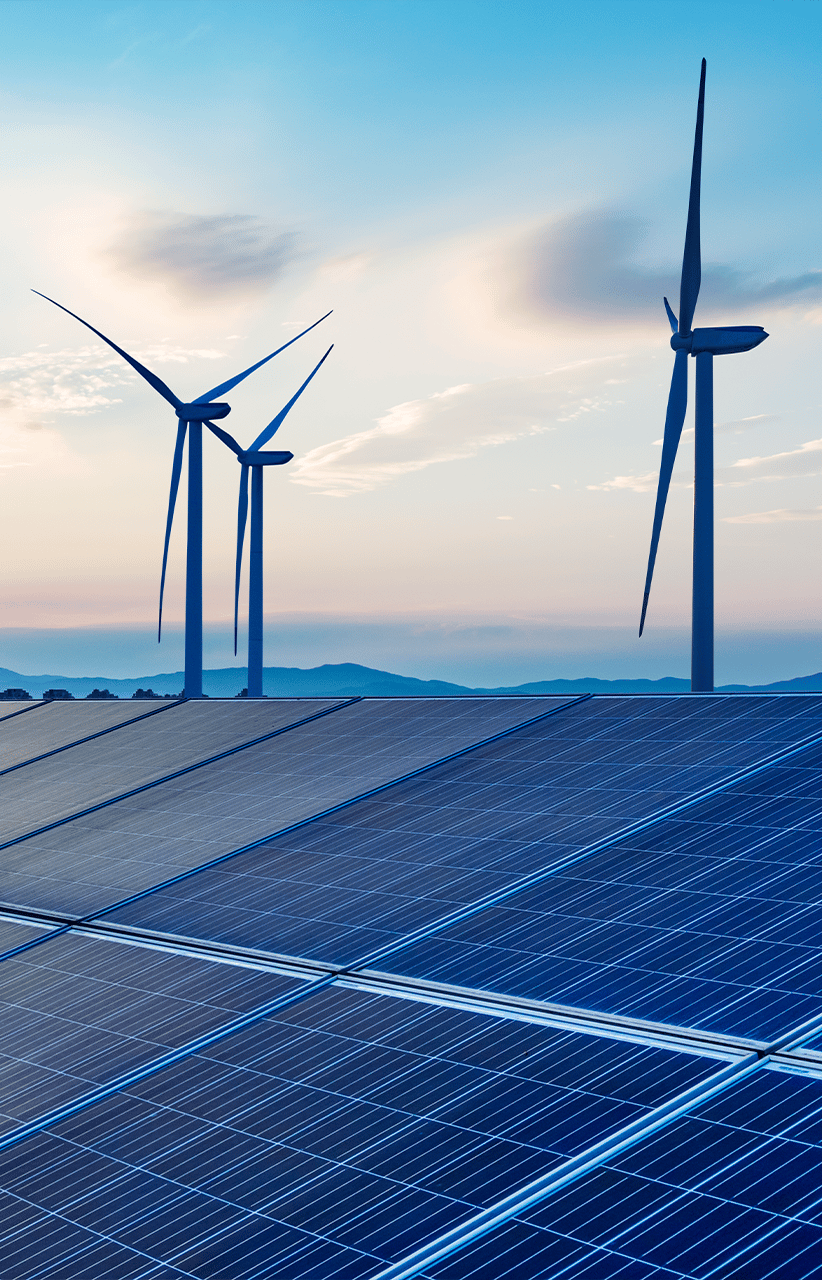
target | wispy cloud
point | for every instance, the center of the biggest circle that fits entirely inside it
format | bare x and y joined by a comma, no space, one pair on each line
583,267
734,428
203,257
779,516
453,424
794,464
77,381
639,484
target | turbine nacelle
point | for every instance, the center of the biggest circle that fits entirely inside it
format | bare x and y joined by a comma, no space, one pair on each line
720,342
202,412
259,458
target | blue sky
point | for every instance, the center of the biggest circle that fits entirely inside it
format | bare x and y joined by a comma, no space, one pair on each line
492,198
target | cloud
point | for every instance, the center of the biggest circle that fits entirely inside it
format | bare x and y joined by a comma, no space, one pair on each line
781,515
795,464
582,267
639,484
203,257
79,381
734,428
453,424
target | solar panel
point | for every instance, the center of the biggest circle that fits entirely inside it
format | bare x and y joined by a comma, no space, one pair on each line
321,1142
19,933
732,1191
79,1012
343,886
58,724
94,771
709,919
103,857
11,708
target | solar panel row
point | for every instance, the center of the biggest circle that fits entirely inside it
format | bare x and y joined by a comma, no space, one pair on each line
325,1140
710,919
96,860
59,725
333,1138
733,1190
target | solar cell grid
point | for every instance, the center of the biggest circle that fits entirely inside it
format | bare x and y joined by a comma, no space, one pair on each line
734,1190
53,726
322,1141
138,753
19,933
358,880
710,919
78,1012
10,708
94,861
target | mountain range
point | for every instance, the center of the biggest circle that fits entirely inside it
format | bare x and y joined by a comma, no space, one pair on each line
348,679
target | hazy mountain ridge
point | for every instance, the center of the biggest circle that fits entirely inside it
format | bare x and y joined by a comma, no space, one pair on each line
348,679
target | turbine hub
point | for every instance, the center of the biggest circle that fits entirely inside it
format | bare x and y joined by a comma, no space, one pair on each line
681,341
202,412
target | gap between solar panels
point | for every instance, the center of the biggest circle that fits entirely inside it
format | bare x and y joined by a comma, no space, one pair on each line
178,773
598,1154
21,764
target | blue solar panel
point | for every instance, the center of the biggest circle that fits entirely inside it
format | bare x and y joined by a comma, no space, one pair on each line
320,1142
97,860
79,1012
345,885
19,933
732,1191
59,725
98,769
710,919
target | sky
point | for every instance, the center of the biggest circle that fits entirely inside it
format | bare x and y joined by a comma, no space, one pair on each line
492,199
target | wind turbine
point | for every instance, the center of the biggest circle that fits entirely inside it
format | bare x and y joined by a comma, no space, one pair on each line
191,417
254,459
703,344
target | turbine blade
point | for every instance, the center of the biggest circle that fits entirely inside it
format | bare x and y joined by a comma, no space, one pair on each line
242,513
674,419
275,423
232,382
691,259
151,378
225,437
176,468
671,317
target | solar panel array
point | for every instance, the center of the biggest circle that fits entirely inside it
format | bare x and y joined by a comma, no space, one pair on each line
412,987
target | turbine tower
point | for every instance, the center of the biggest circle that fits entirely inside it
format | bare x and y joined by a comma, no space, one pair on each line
703,344
191,417
254,459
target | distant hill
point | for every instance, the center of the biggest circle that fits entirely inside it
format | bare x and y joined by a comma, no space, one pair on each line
348,679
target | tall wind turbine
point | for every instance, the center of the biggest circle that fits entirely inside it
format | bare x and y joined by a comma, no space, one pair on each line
254,459
703,344
191,417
